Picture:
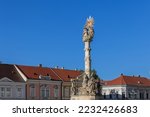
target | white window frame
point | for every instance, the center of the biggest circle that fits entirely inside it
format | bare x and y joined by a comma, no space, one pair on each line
19,93
56,91
45,91
5,93
32,90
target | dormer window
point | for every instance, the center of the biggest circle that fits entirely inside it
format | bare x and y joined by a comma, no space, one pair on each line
35,74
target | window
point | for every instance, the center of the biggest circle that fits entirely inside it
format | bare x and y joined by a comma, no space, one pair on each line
2,92
55,91
5,92
110,96
8,92
129,95
104,95
123,95
141,95
135,96
19,91
147,96
45,92
66,92
32,90
117,95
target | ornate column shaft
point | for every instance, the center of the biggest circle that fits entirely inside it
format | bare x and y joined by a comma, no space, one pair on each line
88,33
87,59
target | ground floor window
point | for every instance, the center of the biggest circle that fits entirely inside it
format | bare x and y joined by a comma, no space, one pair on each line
66,92
45,92
104,95
110,96
141,95
5,92
32,90
56,91
117,95
19,91
123,95
147,96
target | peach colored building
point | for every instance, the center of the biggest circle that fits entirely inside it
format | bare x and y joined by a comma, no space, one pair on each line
41,83
66,75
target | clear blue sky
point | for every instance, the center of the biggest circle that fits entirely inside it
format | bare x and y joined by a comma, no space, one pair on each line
50,32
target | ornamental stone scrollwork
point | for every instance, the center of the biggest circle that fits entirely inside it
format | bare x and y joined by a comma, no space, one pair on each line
73,87
89,86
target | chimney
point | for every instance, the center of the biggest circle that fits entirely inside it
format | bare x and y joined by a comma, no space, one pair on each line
75,69
40,65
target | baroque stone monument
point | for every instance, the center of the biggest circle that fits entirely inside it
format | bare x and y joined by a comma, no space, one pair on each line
85,86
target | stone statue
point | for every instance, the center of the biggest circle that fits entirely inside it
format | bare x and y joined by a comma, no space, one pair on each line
92,85
73,87
88,31
85,81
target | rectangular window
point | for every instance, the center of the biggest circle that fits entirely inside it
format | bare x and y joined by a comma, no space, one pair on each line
123,95
147,96
32,91
47,92
117,96
2,92
66,92
110,96
104,95
43,92
8,92
19,92
129,95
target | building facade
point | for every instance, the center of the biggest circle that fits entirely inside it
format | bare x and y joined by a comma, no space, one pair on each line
12,86
41,83
66,75
127,87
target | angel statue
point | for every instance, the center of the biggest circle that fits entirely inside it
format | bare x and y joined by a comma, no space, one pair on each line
88,31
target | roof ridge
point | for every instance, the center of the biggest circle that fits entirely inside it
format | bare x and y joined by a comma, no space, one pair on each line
56,74
32,66
65,69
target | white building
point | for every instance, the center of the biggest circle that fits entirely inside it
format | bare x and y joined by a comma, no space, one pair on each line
12,85
127,87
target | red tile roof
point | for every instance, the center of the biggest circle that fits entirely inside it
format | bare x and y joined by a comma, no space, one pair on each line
33,72
129,80
9,71
66,75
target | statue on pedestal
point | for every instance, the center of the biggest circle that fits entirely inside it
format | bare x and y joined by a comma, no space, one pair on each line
89,82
